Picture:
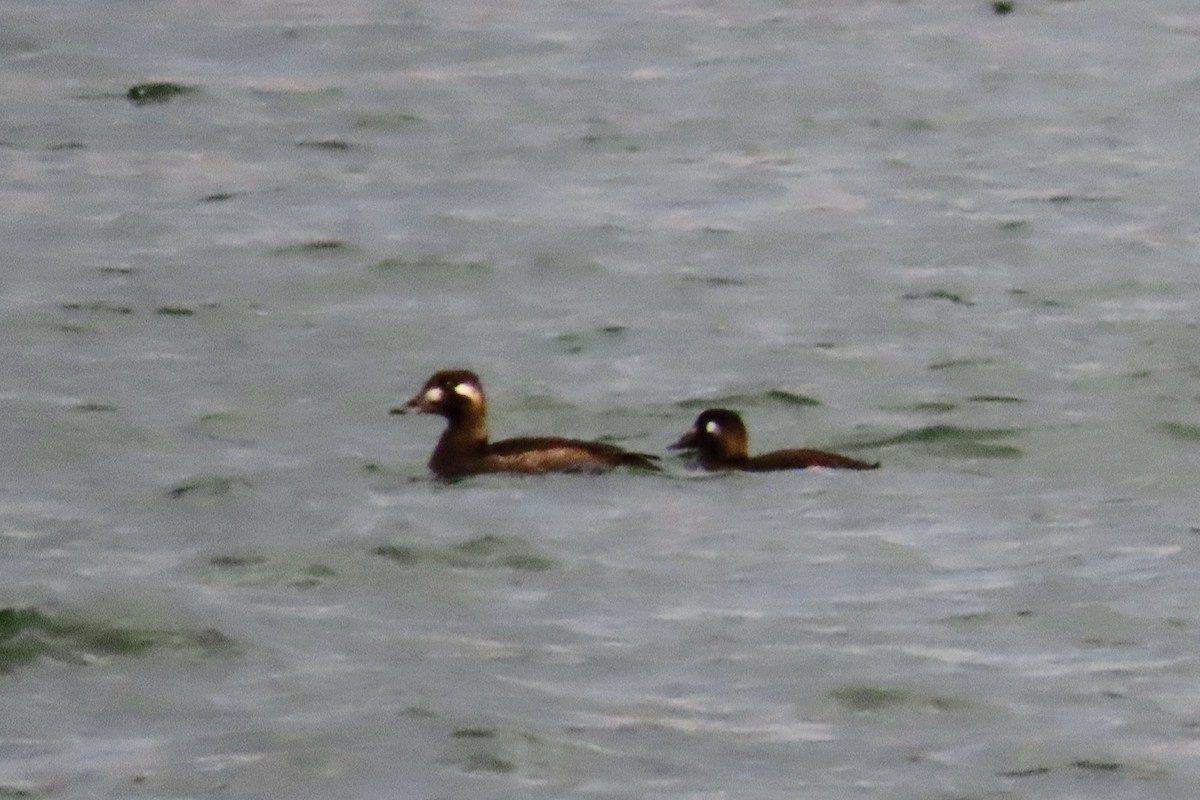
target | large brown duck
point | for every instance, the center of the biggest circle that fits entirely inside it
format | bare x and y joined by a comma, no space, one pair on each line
464,449
719,436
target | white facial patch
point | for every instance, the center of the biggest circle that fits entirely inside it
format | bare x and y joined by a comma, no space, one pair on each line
712,427
434,395
469,391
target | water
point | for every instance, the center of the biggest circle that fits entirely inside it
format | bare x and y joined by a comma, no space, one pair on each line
970,237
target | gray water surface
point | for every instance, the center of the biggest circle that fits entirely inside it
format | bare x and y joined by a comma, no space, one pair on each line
962,243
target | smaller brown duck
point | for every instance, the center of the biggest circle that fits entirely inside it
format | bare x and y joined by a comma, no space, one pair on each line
719,436
464,449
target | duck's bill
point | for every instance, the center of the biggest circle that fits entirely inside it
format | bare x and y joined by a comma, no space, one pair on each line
686,442
418,405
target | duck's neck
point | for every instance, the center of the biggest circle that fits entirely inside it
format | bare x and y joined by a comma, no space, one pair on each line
730,450
721,460
466,437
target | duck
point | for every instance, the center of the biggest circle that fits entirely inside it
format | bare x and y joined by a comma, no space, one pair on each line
720,438
464,449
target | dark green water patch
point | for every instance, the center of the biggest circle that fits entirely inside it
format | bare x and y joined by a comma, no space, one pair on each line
715,281
206,486
969,622
778,396
611,142
930,407
227,426
983,620
1181,430
236,562
1025,295
572,261
92,407
497,750
486,762
400,553
418,712
952,441
258,570
1003,7
939,294
931,434
787,398
391,472
100,306
979,450
339,145
572,343
1064,198
320,95
1025,772
870,699
489,550
482,552
27,635
157,92
1095,766
315,247
16,43
313,576
387,120
959,363
428,261
474,733
577,341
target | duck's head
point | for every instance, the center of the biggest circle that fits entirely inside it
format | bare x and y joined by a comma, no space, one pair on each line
452,393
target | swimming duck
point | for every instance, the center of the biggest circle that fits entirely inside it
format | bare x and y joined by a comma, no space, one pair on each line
464,449
720,437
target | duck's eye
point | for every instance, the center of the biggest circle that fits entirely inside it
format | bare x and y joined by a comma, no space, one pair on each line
469,391
712,427
434,395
